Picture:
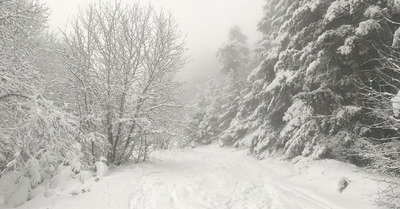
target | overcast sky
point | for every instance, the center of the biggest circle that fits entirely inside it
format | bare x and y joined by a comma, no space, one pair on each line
205,22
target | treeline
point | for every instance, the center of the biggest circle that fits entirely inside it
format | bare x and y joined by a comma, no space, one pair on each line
326,86
104,88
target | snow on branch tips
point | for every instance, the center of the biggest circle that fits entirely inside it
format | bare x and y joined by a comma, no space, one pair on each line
124,59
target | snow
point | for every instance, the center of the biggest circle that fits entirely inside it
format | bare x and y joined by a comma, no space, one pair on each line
373,12
213,177
348,46
313,5
85,175
396,4
396,39
76,165
312,67
275,83
103,159
348,111
62,179
336,9
255,74
296,115
396,105
101,169
8,185
366,27
36,192
21,195
33,172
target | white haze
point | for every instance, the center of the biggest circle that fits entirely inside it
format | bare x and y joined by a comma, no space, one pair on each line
204,22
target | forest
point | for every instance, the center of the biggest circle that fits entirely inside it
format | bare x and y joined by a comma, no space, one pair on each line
323,83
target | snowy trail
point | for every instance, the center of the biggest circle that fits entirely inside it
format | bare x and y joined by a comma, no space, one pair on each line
211,177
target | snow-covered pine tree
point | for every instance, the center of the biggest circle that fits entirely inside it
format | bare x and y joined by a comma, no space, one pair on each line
303,99
206,107
235,59
234,55
218,105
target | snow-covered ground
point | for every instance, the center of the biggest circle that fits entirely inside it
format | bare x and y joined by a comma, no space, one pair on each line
213,177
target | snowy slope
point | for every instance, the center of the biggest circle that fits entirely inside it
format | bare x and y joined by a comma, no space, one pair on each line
211,177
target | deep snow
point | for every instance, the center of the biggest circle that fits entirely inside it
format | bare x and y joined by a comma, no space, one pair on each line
213,177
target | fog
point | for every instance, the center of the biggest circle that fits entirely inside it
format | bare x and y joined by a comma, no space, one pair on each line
205,23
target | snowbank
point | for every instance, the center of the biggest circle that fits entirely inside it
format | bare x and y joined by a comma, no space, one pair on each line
32,192
211,177
21,195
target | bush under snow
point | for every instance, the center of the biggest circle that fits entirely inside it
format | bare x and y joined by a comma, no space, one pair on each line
101,168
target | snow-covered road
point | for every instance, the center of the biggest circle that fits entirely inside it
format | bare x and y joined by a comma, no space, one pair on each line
211,177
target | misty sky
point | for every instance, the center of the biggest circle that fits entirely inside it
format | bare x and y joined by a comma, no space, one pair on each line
205,22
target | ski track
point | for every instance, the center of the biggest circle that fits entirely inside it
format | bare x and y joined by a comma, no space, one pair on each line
209,178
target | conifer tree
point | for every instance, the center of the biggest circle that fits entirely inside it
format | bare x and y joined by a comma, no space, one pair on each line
219,105
304,99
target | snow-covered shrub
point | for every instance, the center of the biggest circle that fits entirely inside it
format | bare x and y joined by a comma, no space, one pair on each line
63,177
44,137
342,184
30,124
94,145
100,168
48,164
33,173
76,166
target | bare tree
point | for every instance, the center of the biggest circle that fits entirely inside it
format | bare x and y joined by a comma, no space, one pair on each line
380,93
123,59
